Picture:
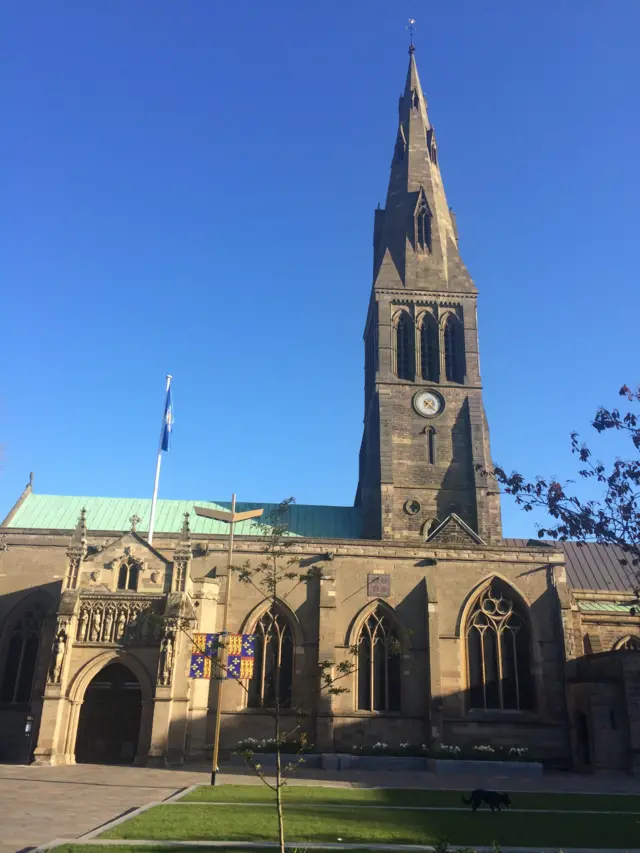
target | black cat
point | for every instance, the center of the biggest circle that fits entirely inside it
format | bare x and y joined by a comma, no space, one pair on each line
492,798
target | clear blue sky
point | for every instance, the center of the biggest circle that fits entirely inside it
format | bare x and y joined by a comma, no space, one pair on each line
188,187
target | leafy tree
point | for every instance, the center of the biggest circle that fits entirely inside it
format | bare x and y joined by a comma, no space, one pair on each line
614,519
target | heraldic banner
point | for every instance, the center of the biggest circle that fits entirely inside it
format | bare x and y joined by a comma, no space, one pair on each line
240,652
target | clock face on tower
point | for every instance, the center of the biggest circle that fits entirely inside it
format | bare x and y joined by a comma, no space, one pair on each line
428,403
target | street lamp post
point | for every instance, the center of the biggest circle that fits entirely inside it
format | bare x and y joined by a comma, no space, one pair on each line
229,518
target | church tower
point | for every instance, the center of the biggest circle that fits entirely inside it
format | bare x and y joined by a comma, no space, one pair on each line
425,430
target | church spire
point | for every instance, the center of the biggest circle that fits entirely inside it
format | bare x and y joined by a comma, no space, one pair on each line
415,240
425,440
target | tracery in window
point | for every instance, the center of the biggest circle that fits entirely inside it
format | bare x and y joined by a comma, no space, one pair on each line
272,679
21,656
629,644
453,349
378,666
498,653
129,574
404,349
429,349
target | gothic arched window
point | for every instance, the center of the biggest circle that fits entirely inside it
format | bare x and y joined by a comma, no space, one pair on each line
21,656
431,445
129,574
429,349
272,679
423,226
498,653
404,349
453,349
379,661
628,644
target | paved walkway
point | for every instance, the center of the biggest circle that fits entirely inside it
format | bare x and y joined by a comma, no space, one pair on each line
38,804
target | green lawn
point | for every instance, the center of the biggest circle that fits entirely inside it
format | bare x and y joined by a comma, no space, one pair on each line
407,797
360,826
161,848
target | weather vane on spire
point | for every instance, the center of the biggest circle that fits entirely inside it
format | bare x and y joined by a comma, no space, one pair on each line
411,28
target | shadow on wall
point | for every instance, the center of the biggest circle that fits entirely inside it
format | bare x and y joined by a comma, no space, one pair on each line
459,478
28,624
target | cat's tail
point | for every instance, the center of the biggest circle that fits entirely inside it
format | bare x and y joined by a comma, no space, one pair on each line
466,802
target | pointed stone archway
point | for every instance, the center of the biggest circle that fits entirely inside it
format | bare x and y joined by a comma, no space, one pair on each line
110,718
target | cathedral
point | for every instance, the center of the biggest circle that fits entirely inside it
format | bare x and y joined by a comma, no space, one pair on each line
459,636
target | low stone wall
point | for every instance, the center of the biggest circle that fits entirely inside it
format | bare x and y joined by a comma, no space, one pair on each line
485,768
337,762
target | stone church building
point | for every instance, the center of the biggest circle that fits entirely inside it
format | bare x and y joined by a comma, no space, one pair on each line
462,636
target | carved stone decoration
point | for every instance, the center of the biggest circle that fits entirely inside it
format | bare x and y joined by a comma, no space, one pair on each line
378,586
57,653
165,662
154,577
83,625
182,558
121,625
76,552
96,625
114,620
108,624
95,575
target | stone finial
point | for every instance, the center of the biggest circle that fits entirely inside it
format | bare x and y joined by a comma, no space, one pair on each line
79,536
185,534
135,521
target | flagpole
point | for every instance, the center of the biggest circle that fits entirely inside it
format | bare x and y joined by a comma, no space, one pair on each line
229,518
222,643
154,500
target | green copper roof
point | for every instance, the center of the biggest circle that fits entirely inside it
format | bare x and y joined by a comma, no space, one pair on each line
56,512
603,607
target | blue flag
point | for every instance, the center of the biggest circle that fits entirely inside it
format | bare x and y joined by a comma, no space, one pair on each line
168,423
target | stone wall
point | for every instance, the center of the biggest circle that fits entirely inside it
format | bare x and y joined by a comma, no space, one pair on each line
427,592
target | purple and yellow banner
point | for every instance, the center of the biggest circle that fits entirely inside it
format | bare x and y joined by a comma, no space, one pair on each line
240,655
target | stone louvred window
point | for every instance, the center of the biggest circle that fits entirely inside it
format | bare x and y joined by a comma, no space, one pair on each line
272,681
453,349
129,574
498,654
21,656
429,349
378,664
423,226
431,445
404,348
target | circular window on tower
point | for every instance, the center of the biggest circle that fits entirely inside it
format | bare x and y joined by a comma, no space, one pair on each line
412,507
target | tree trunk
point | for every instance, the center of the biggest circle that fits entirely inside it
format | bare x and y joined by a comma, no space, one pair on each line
278,745
279,787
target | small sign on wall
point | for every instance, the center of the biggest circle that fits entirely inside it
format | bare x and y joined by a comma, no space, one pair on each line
379,586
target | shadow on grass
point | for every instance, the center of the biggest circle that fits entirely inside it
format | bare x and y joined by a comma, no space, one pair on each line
381,826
